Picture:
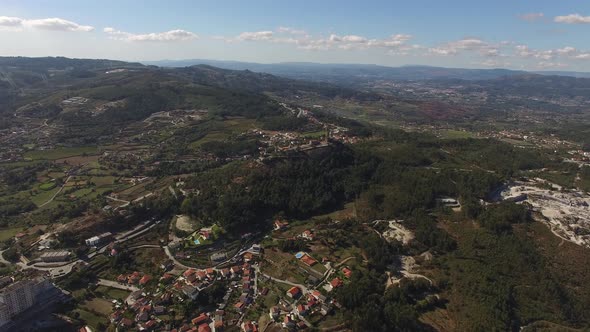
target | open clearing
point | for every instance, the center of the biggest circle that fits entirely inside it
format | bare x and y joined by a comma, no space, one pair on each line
8,233
185,223
60,153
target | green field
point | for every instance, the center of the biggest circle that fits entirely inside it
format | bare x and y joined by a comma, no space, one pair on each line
44,196
91,319
456,134
99,305
60,153
8,233
113,293
47,185
315,134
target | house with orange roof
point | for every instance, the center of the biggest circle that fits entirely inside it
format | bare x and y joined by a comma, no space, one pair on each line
335,283
202,318
240,306
248,256
218,325
204,328
347,272
294,292
144,280
307,260
249,327
202,275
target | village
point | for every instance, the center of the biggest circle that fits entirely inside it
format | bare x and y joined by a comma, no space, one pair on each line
252,297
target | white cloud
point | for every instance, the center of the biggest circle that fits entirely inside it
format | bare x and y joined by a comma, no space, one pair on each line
568,50
57,24
6,21
582,56
167,36
531,17
572,19
354,39
258,35
524,51
305,41
454,47
53,24
291,31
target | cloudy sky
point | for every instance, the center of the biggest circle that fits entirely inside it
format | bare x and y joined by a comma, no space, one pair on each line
520,34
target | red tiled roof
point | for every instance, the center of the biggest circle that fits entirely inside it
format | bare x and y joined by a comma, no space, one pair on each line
347,272
294,291
308,260
200,319
188,272
336,282
204,328
145,279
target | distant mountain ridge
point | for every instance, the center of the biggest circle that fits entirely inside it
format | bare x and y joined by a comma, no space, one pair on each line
361,72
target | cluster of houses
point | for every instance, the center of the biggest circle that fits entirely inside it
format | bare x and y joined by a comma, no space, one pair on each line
293,316
135,278
143,308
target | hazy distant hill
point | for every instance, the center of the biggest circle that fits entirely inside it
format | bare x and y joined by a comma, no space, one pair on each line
339,72
359,73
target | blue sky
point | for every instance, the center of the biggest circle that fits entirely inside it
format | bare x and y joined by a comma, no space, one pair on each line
521,34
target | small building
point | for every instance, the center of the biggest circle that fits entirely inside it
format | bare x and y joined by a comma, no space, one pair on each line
274,313
307,260
167,265
204,328
240,306
347,272
218,256
280,225
307,235
301,310
144,280
294,292
56,256
190,291
99,239
335,283
202,318
249,327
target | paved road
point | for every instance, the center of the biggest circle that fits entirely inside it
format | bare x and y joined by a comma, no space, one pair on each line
303,288
57,193
114,284
66,268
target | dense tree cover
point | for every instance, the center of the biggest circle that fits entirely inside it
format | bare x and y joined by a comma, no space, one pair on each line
21,177
223,149
369,306
12,206
299,187
500,218
287,123
428,234
584,182
502,282
292,245
496,156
